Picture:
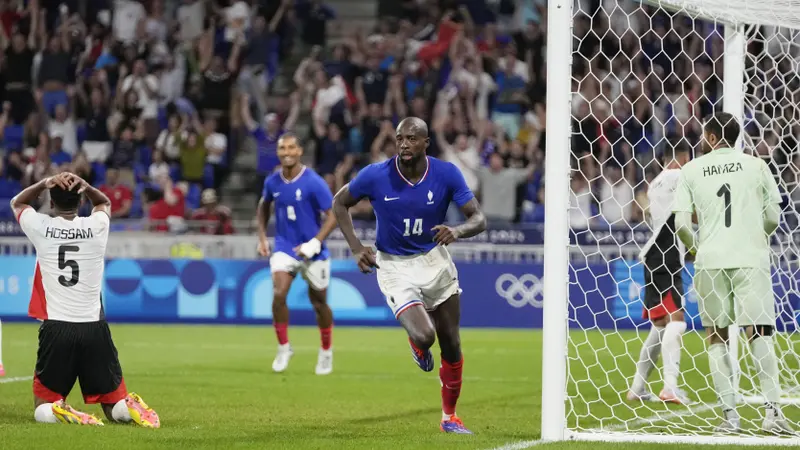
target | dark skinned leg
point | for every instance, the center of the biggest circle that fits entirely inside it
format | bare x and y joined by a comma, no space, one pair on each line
319,300
107,408
281,281
446,318
419,327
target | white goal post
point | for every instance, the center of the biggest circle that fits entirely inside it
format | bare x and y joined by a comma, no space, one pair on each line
581,378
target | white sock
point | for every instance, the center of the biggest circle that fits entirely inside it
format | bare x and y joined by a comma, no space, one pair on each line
762,350
120,412
446,416
44,413
647,359
719,362
672,353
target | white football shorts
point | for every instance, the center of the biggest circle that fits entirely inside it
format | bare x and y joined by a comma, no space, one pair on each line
426,279
316,273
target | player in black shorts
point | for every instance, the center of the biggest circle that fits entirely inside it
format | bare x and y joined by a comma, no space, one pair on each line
663,257
74,339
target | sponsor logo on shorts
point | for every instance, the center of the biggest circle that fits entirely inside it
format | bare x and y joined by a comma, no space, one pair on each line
519,292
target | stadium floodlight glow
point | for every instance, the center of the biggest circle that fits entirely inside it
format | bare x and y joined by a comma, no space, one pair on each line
588,369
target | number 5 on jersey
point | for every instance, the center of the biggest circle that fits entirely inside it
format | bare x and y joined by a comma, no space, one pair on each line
64,263
417,229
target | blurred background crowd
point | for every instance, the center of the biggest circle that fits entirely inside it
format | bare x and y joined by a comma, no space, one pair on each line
159,101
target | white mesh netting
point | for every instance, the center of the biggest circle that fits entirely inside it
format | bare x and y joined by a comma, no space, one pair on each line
643,78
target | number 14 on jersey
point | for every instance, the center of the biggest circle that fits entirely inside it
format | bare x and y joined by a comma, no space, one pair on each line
416,229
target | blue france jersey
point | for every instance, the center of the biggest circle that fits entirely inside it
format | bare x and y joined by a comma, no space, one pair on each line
299,204
407,212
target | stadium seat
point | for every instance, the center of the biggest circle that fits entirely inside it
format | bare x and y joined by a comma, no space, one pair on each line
80,133
208,176
137,208
175,172
99,173
145,155
140,173
9,188
13,137
5,208
163,118
193,196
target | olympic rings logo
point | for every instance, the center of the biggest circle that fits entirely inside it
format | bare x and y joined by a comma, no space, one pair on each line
518,292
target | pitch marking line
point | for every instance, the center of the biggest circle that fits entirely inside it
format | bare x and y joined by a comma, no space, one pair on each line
522,445
14,379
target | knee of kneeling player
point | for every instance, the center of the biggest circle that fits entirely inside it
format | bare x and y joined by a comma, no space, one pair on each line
761,330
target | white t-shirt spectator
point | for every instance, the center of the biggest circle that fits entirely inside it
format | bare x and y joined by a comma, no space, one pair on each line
158,170
327,97
171,81
168,144
148,104
68,133
616,202
127,14
215,141
191,18
520,67
467,162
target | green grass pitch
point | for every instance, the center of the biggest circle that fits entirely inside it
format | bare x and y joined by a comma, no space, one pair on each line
213,387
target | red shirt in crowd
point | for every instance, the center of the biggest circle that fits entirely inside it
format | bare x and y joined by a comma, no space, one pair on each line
217,220
118,195
160,210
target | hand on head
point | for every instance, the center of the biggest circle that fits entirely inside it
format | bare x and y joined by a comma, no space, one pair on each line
67,181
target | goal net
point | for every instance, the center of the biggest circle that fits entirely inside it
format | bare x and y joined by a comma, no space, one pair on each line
643,75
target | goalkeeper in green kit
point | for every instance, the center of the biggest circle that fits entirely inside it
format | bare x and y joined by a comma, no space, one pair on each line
737,204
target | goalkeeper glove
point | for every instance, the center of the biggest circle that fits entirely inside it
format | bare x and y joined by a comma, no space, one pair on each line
310,249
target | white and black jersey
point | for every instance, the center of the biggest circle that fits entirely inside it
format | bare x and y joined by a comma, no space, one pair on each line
663,253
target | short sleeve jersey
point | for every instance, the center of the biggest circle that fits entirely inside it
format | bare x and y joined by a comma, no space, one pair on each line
729,191
406,212
70,261
663,251
299,204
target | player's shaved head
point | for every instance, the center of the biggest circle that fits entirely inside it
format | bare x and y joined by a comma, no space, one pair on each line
414,125
412,141
65,200
721,129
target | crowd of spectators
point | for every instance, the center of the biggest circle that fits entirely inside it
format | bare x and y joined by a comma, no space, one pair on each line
135,96
150,99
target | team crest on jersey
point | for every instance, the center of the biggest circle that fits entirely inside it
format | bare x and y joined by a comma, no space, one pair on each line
430,197
298,195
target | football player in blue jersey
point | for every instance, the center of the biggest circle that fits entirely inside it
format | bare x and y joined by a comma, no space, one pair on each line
410,194
301,199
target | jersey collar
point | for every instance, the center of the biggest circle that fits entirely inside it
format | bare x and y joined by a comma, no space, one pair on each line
297,177
424,175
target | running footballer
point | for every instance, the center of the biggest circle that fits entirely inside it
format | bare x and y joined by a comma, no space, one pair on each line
410,194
